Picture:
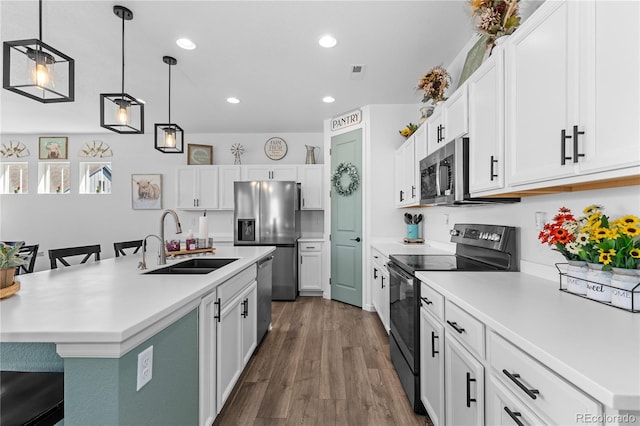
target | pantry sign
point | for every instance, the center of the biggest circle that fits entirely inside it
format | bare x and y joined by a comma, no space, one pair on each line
345,120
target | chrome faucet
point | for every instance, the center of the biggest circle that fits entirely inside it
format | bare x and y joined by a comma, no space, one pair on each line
162,255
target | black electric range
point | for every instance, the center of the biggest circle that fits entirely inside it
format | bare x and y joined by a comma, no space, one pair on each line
478,248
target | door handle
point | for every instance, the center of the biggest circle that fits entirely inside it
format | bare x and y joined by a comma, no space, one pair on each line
563,147
493,161
357,239
576,132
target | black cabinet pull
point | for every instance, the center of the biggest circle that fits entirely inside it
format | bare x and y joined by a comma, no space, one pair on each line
401,193
576,133
441,132
245,308
456,327
469,399
493,161
427,301
514,378
382,281
563,147
433,344
514,416
217,316
413,191
375,273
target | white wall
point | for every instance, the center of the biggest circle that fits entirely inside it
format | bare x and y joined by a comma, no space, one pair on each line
617,202
54,220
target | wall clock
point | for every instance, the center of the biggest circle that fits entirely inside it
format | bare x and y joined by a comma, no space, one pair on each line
275,148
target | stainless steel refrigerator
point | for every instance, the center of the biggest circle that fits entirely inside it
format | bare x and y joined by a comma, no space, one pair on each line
267,213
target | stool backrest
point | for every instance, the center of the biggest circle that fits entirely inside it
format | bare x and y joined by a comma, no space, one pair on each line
119,247
28,253
60,255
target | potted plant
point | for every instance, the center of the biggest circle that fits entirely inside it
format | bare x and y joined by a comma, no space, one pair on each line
9,261
495,18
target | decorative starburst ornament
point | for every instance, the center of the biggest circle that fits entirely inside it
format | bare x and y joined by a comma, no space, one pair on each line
95,149
16,148
237,150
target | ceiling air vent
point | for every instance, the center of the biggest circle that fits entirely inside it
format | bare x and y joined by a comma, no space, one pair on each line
356,72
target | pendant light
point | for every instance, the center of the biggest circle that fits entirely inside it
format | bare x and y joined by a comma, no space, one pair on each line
169,137
121,112
49,75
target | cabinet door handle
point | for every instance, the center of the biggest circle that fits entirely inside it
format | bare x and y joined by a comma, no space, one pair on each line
427,301
576,133
413,191
375,273
514,416
441,132
456,327
514,378
382,281
217,315
245,308
438,137
310,247
433,344
469,399
303,202
563,147
493,161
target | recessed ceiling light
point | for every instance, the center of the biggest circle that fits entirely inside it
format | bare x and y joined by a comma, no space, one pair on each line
233,100
327,41
185,43
328,99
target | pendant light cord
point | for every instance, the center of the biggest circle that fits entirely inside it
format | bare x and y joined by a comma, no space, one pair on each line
123,14
40,20
169,93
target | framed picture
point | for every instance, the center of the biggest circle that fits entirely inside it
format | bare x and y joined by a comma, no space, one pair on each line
275,148
198,155
146,192
53,148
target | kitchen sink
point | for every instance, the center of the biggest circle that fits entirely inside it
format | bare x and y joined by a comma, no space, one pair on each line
193,267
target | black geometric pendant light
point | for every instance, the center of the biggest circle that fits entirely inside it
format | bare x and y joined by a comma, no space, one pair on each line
169,137
121,112
36,70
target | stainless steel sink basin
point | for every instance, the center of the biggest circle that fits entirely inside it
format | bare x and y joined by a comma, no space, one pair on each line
193,266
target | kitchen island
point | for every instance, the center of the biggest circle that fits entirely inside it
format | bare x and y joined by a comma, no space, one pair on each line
92,320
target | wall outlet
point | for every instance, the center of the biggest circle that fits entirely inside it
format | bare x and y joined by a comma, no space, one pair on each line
541,219
145,367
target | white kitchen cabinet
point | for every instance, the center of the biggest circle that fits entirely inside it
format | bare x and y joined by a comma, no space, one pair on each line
207,326
432,366
419,153
197,188
227,175
464,385
435,132
312,186
310,266
380,287
504,409
456,115
406,186
235,337
270,172
486,125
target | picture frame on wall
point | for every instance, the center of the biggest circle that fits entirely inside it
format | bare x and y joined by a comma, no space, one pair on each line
199,155
146,191
53,148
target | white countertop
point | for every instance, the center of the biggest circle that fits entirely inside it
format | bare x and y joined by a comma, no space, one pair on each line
109,305
390,246
594,346
310,240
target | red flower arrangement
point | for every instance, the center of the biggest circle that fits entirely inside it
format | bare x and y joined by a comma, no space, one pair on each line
561,232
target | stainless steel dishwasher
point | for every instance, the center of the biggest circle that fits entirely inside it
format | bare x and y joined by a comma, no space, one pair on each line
265,277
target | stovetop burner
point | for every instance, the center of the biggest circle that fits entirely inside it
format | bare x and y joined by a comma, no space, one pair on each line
436,262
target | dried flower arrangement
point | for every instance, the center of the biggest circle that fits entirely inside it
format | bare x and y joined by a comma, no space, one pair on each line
434,83
495,18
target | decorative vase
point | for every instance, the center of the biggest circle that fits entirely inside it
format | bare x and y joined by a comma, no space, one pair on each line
598,283
6,277
426,112
576,274
623,282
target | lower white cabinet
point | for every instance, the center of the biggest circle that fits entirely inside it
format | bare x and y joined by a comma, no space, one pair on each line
207,328
464,385
380,287
310,266
504,409
432,366
249,314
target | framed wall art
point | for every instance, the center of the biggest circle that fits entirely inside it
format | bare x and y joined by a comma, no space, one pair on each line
275,148
146,192
199,155
52,148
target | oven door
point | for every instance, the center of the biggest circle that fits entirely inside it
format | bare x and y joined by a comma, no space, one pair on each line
403,298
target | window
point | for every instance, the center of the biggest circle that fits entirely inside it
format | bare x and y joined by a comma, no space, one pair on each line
95,178
53,178
14,178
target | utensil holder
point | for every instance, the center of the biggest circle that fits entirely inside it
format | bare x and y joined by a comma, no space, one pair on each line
413,231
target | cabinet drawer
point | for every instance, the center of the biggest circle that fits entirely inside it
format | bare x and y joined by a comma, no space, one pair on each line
503,408
230,288
547,393
315,246
432,301
466,328
376,256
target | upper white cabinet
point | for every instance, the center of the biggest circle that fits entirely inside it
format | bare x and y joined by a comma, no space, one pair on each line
312,186
407,190
486,125
227,175
456,115
197,188
269,172
435,130
570,109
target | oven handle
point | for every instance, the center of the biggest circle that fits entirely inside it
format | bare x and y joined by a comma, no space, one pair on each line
393,268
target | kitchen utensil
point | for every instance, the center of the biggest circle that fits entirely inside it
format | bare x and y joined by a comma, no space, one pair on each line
419,218
415,218
408,218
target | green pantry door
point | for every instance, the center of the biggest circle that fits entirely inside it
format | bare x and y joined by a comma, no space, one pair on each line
346,222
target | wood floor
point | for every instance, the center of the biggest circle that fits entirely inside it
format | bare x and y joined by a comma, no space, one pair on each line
323,363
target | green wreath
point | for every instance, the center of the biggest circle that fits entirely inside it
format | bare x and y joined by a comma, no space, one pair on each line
336,179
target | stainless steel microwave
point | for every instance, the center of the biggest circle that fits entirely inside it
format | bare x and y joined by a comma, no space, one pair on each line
444,176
